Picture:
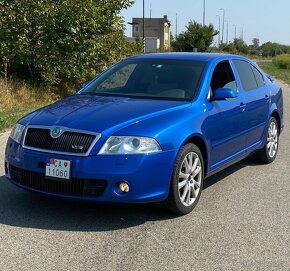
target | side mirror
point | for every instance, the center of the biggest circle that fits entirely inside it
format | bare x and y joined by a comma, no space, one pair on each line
223,94
270,77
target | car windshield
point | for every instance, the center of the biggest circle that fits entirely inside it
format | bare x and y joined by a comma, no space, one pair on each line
150,78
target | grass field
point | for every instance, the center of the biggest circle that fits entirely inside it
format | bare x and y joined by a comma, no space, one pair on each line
18,99
11,116
278,73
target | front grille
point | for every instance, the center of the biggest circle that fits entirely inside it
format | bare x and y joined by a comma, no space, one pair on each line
74,187
68,142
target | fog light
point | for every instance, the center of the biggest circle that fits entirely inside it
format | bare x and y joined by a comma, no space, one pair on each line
124,187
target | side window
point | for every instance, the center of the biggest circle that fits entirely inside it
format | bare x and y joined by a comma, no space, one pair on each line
259,77
246,75
223,77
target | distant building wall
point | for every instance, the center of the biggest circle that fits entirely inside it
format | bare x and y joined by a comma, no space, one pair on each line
152,45
154,27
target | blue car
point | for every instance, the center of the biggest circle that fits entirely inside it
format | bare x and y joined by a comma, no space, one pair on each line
150,128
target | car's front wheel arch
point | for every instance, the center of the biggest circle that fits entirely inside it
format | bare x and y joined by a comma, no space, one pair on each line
200,143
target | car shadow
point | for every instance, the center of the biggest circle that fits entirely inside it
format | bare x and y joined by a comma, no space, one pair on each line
20,208
249,161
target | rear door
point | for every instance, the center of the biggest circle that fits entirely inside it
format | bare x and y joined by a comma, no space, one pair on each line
257,99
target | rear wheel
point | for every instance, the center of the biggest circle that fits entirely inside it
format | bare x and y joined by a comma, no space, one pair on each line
269,152
187,180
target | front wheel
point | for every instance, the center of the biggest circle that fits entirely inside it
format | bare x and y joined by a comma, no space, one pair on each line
187,180
269,152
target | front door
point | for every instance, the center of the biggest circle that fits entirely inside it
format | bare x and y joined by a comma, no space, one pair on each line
225,125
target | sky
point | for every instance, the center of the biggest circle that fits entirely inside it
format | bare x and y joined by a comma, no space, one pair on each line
266,20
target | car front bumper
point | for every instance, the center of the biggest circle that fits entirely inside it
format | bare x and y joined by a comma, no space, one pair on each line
94,178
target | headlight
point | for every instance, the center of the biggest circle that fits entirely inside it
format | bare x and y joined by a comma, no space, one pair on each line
17,132
130,145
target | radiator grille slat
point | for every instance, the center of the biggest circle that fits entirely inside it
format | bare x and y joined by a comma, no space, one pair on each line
68,142
75,187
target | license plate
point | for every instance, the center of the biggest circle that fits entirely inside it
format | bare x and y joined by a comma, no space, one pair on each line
57,168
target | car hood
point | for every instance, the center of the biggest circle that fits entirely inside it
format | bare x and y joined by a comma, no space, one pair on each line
97,114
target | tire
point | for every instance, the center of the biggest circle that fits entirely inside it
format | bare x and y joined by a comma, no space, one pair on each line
187,181
269,152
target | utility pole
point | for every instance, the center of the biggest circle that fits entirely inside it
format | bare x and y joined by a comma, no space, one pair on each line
176,25
224,13
203,13
219,40
143,26
227,40
150,10
235,30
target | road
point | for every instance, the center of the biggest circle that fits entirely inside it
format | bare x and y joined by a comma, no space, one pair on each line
242,222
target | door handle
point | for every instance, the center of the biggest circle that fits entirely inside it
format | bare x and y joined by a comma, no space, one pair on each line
243,106
267,97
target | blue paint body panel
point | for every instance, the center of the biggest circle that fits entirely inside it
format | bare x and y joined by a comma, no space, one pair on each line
230,129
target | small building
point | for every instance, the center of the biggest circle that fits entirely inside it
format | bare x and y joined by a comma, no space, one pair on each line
158,28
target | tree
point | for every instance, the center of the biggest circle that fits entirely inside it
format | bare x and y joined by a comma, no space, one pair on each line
62,42
240,45
230,48
195,36
256,43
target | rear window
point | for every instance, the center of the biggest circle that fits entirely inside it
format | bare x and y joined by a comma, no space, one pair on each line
259,77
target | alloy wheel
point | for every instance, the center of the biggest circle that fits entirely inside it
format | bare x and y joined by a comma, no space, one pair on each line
272,140
190,178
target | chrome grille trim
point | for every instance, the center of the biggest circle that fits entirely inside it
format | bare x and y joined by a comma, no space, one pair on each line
65,129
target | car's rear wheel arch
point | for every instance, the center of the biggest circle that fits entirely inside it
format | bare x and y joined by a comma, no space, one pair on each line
276,115
200,143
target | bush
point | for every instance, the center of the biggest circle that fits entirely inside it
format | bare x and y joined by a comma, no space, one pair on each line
282,62
273,49
61,43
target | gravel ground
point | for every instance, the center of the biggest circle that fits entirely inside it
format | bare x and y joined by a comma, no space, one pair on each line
242,222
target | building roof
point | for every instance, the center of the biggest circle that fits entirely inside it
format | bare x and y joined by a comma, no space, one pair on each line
164,18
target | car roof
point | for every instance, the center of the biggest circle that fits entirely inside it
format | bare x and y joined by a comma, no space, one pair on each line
206,57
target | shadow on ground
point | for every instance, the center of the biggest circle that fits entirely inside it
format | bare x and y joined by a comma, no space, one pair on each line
19,208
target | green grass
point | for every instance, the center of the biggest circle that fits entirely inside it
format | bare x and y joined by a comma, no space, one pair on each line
282,61
278,73
9,117
18,98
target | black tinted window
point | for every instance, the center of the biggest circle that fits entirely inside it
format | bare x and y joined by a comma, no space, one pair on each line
149,78
246,74
223,77
258,76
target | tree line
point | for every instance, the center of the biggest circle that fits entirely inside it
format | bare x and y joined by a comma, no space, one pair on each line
199,37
